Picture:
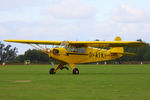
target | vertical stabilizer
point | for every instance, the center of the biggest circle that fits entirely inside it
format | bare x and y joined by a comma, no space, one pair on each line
118,38
117,49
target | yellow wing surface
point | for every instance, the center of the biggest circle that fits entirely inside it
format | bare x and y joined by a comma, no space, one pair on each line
35,42
85,43
106,43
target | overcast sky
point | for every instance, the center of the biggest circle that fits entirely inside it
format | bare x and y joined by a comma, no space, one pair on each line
74,20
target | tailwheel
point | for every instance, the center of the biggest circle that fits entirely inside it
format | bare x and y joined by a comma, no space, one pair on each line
51,71
75,71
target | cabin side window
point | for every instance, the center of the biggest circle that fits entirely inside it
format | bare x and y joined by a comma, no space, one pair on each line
78,50
70,49
82,50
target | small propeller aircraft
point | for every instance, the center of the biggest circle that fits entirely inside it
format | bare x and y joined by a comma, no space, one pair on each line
77,52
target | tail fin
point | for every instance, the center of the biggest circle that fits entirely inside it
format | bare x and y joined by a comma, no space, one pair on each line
117,50
118,38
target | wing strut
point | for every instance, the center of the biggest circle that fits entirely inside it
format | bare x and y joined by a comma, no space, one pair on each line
39,48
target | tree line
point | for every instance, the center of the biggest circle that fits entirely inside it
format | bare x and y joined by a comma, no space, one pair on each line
9,54
142,53
35,56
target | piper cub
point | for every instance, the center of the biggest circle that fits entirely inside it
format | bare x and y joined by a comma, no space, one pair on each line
77,52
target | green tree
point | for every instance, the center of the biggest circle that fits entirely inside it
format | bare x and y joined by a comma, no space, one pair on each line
20,58
7,53
143,53
36,56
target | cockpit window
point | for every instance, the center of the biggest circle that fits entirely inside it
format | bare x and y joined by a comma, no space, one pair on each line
70,49
78,50
82,50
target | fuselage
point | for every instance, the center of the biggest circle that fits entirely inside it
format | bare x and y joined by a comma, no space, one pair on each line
81,55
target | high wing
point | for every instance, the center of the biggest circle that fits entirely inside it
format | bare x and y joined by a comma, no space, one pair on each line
35,42
107,43
85,43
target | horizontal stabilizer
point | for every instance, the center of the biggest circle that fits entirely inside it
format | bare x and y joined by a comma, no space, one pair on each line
124,53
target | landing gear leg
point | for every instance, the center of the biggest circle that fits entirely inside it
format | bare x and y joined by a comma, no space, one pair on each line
74,70
53,70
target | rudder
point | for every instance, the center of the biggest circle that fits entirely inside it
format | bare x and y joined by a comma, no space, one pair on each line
117,49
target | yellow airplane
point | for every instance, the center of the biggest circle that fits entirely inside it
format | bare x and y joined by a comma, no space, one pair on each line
77,52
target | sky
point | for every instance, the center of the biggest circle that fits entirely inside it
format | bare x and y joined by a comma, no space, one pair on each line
80,20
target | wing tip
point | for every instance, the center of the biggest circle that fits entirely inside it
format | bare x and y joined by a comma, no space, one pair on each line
7,40
4,40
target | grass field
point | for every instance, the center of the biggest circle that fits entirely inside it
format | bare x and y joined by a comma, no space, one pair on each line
95,82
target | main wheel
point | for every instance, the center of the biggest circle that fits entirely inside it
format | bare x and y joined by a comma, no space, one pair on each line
51,71
75,71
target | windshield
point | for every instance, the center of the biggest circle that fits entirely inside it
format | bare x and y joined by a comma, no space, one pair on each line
64,44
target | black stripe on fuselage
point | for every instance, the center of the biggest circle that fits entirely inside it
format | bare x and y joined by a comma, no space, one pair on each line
76,54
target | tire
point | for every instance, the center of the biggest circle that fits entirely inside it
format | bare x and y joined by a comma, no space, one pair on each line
75,71
51,71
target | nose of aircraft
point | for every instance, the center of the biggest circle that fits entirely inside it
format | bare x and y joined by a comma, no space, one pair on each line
53,51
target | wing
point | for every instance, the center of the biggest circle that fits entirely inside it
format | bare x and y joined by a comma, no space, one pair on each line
85,43
35,42
107,43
